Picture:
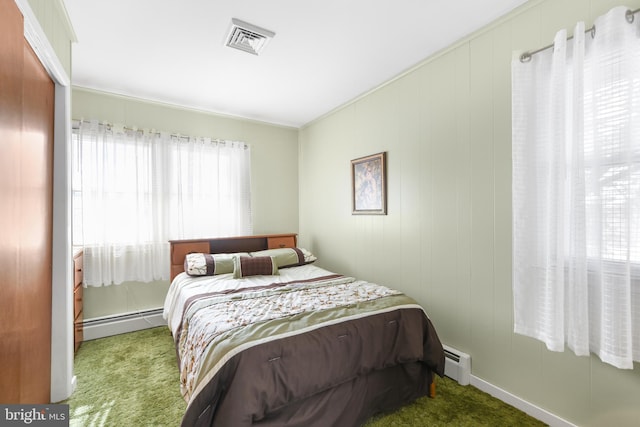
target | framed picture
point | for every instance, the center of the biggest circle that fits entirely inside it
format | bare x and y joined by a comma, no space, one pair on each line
369,185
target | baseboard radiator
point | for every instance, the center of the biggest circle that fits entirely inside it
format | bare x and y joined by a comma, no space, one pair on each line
101,327
457,365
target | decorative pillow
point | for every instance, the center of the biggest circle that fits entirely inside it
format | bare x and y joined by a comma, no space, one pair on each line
198,264
308,256
254,266
287,257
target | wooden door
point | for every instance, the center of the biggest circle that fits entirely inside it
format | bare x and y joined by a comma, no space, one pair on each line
26,200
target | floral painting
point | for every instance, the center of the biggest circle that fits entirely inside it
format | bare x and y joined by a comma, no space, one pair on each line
368,176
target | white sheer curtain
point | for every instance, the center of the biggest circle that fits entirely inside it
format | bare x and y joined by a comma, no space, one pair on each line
134,190
576,192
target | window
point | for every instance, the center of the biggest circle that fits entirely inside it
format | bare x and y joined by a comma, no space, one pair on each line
612,167
576,192
135,190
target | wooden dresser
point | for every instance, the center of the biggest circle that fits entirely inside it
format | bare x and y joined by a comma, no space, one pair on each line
77,299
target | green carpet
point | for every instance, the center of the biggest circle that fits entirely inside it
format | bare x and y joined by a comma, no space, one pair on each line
133,380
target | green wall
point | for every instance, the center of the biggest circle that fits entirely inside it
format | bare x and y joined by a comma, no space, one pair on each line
52,17
446,128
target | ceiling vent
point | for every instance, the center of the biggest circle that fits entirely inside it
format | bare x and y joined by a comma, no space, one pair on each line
247,37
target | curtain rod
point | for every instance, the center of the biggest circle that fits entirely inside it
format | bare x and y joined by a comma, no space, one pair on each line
175,135
526,57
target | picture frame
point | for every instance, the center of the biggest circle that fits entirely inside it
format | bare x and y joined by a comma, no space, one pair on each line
369,185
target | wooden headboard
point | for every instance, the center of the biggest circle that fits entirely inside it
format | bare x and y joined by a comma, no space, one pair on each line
180,248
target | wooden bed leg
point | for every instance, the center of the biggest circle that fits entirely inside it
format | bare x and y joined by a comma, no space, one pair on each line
432,388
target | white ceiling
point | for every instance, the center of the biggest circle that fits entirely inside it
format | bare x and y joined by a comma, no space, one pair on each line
324,53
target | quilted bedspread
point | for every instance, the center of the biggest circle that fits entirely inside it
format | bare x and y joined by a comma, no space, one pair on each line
252,350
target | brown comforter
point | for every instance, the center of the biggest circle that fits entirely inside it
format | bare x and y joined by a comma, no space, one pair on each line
336,352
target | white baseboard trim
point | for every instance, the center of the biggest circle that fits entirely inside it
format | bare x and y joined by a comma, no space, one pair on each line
515,401
127,322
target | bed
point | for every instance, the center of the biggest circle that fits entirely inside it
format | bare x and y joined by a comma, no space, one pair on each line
265,337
